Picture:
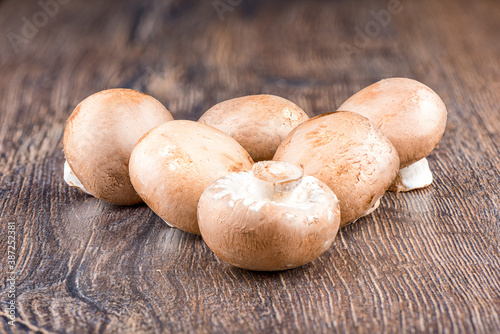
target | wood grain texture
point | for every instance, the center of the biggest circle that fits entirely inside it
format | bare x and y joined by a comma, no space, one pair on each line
426,261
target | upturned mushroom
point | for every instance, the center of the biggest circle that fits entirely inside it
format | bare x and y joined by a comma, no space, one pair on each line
172,164
412,116
272,218
348,153
258,122
99,137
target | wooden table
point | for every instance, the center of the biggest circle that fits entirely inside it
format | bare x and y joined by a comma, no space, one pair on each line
425,261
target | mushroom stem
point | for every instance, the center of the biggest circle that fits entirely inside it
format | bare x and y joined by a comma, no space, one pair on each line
284,176
415,176
71,178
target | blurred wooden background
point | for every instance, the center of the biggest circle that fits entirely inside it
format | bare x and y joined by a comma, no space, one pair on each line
426,261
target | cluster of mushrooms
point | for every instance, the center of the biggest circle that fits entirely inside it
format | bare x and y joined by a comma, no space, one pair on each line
266,187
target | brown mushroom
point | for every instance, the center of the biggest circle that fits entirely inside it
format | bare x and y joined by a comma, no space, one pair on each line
271,218
99,137
412,116
258,122
348,153
172,164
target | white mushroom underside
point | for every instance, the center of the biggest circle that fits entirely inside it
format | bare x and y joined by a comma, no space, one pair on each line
255,193
71,178
417,175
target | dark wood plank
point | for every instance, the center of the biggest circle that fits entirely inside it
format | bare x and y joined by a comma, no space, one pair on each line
426,261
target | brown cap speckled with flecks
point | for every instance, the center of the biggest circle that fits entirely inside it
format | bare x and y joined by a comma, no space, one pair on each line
258,122
100,135
172,164
348,153
258,220
410,114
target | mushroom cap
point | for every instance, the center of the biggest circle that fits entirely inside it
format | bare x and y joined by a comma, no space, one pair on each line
172,164
348,153
258,122
410,114
248,224
100,135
